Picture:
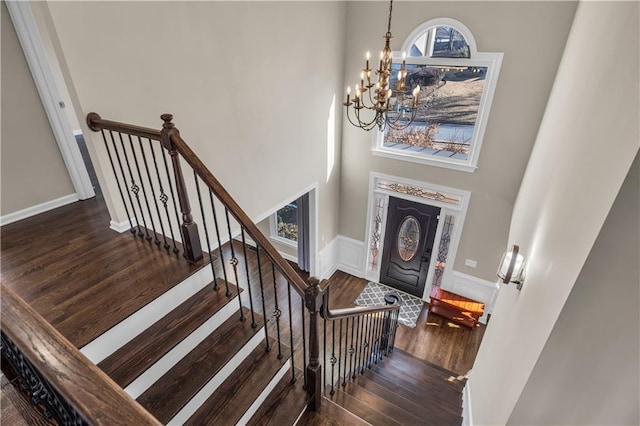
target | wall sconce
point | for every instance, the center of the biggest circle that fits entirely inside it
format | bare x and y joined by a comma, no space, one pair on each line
511,268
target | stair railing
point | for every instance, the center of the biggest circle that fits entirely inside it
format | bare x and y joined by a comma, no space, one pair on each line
56,376
355,339
226,232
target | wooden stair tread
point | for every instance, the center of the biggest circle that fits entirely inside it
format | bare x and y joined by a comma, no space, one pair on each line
283,405
393,411
418,371
361,409
171,392
132,359
429,409
235,395
431,396
330,414
413,405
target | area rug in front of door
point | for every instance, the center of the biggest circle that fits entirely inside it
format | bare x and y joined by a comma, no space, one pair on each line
373,295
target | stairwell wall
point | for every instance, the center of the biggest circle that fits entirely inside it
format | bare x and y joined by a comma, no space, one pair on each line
586,144
33,172
253,86
531,58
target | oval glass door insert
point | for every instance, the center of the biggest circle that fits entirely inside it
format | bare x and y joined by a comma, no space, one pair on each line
408,238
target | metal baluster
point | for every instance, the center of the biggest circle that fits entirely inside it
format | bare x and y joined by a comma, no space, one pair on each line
395,328
134,187
277,312
362,343
304,343
339,348
176,250
332,360
357,348
379,334
264,309
224,268
234,262
206,231
371,342
163,199
153,192
293,367
324,354
351,348
346,352
113,167
144,190
246,264
365,344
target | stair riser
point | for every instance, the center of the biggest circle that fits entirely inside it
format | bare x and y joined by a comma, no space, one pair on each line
164,364
192,406
116,337
265,393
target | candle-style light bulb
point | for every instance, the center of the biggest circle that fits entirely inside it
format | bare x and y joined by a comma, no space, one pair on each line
348,94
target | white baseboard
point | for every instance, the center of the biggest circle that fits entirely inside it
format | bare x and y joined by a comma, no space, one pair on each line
328,260
467,414
123,226
474,288
350,256
38,208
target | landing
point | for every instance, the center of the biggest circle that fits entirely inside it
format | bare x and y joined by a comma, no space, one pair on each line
80,275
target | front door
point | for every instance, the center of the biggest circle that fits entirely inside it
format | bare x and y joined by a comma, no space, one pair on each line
408,244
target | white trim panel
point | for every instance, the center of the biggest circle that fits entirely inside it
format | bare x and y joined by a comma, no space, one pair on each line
474,288
467,413
328,259
120,334
123,226
350,256
38,208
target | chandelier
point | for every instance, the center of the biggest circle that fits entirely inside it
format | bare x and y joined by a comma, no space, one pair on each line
395,108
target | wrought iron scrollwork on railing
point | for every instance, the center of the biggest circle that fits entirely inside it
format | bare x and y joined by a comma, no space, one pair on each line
40,391
362,336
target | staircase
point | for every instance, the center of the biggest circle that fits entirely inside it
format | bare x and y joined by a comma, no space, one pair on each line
242,340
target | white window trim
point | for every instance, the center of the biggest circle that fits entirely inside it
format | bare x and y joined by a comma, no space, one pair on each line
274,232
493,62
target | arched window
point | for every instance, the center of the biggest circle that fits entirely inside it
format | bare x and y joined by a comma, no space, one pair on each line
457,85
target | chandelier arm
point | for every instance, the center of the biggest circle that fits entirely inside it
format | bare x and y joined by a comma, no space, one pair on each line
362,124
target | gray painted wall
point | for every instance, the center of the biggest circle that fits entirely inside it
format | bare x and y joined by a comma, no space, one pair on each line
588,371
252,86
585,146
33,171
532,36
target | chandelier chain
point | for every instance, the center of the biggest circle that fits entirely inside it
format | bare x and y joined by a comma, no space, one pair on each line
390,10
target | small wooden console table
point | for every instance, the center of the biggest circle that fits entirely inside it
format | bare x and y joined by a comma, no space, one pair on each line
458,309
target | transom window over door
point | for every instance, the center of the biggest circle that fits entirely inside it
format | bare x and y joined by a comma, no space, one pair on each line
457,85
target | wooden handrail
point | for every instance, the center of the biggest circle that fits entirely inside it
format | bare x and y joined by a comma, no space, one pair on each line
340,313
236,211
97,123
94,396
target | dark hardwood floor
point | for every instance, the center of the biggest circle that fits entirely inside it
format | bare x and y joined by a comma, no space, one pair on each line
84,278
80,275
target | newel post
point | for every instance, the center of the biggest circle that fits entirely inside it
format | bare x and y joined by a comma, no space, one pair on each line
188,228
312,301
